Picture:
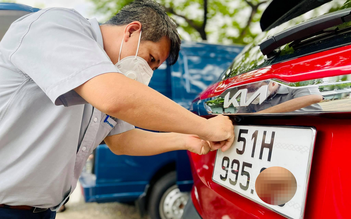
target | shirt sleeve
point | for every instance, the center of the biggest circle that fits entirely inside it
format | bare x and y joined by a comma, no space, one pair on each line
313,90
57,49
301,92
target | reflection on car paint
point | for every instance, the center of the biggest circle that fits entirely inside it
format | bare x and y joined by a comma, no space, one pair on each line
255,97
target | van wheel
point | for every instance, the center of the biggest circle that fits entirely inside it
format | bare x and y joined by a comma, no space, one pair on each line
166,201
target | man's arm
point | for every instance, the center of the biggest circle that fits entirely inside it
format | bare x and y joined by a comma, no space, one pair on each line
294,104
137,104
138,142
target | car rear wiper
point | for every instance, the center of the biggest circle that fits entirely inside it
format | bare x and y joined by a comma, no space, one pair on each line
305,30
280,11
323,35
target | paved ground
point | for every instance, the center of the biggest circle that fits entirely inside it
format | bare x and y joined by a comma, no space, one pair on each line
76,208
340,105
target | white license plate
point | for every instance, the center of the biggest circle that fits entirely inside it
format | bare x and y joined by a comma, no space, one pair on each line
291,148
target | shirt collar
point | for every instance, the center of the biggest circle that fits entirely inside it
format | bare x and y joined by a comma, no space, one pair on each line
282,90
96,28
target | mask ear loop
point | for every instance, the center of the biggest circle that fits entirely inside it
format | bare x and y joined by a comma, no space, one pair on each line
120,50
138,45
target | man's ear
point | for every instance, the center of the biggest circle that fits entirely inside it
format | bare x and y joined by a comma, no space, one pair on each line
131,28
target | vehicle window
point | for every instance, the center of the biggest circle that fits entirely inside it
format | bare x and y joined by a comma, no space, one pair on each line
252,58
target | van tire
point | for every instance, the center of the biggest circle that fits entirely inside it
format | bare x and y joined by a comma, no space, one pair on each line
166,201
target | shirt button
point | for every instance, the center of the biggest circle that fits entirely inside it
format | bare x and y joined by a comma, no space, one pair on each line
95,119
84,148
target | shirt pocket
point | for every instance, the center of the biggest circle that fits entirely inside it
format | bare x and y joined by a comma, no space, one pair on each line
108,123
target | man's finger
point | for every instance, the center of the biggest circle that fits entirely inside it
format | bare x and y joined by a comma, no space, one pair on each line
217,144
205,147
228,144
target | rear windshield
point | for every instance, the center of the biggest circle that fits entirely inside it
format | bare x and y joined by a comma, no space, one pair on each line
251,57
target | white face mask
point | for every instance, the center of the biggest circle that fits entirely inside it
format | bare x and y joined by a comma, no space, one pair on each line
135,67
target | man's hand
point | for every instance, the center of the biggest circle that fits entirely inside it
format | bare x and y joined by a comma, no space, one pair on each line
197,145
219,132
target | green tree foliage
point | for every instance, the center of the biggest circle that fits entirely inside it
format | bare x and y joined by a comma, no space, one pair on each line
216,21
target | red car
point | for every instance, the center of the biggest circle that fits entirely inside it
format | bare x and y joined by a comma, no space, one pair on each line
289,97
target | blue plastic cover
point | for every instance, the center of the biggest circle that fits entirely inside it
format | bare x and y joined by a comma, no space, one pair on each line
198,66
17,7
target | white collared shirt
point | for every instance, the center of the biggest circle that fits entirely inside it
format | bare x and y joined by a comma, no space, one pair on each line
43,121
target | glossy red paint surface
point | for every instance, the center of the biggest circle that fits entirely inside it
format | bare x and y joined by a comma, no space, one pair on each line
329,188
324,64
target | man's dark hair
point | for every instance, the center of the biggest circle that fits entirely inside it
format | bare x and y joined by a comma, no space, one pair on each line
155,24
